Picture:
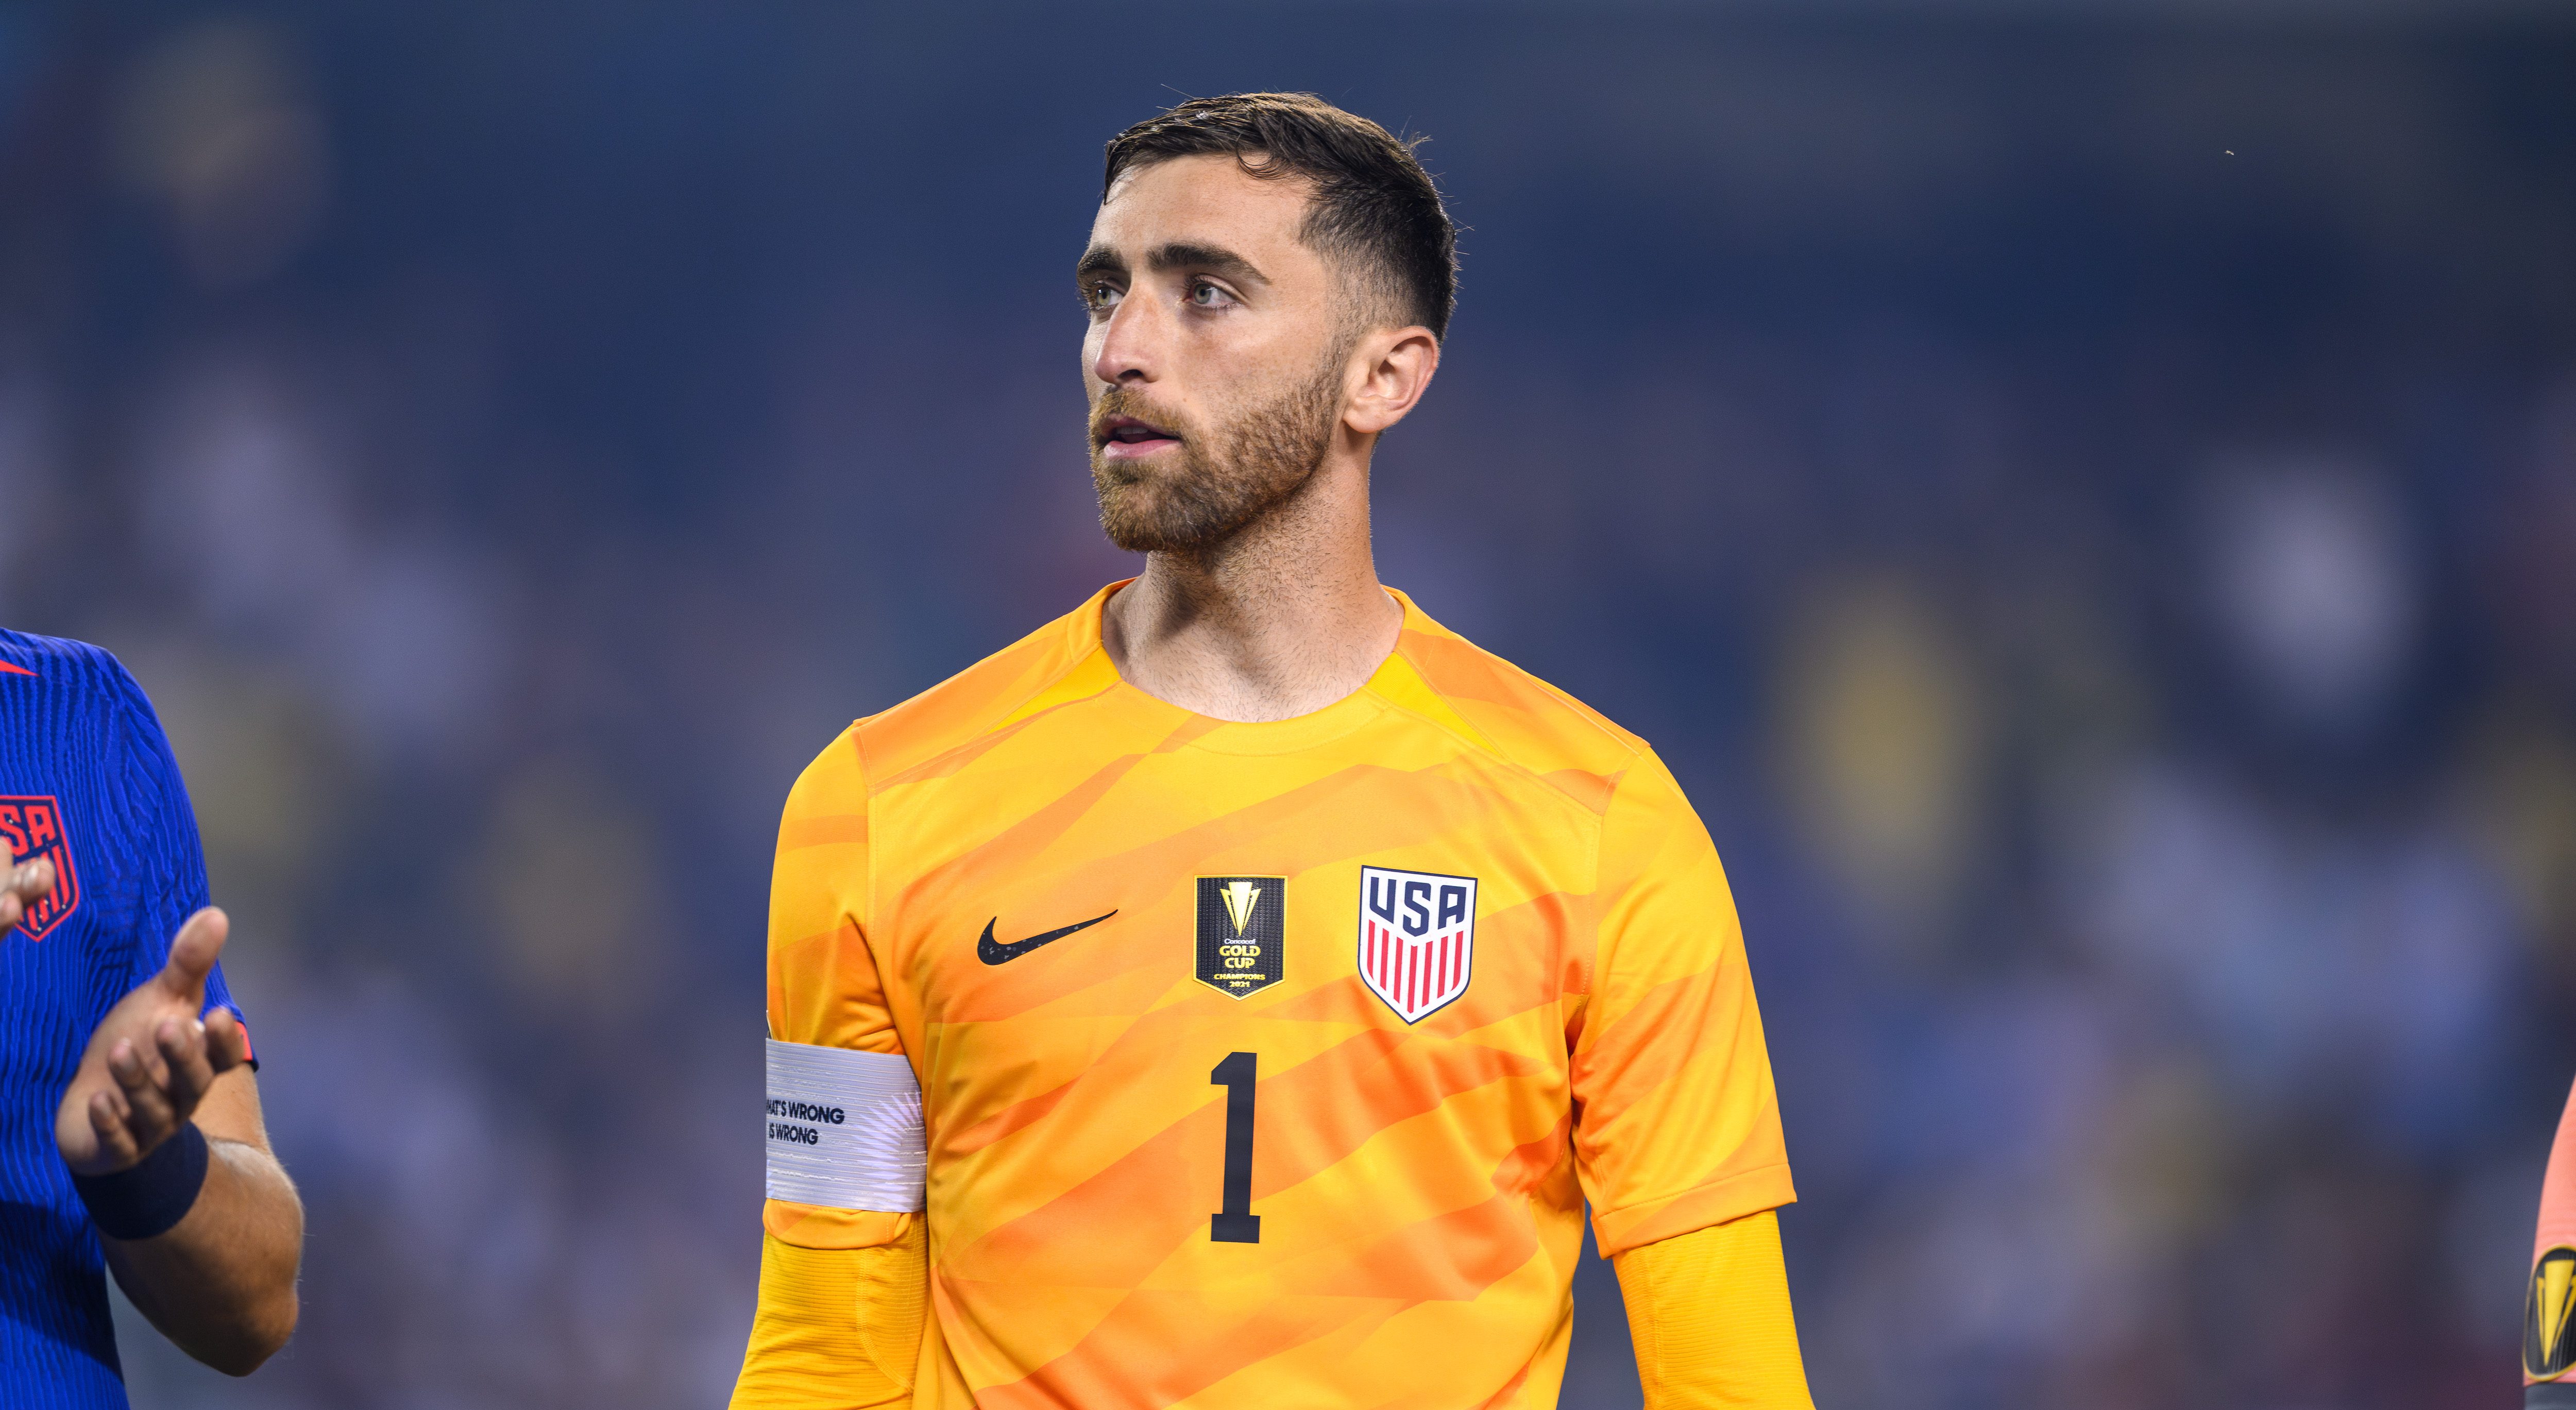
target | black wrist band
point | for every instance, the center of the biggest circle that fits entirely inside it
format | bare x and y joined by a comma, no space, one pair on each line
153,1193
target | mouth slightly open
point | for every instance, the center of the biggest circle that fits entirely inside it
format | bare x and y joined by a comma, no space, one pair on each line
1126,438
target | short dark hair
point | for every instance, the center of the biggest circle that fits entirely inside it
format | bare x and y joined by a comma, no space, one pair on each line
1373,203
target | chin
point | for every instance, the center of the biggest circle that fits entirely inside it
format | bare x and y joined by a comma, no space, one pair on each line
1150,528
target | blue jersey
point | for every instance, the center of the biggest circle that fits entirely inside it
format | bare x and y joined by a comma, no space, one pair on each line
86,778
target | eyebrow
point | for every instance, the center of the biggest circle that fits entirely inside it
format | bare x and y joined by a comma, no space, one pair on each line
1100,259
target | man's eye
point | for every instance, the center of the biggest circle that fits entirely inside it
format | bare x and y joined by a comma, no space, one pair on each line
1206,295
1101,295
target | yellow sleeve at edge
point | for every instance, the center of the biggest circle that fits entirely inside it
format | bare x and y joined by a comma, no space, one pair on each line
837,1328
1709,1312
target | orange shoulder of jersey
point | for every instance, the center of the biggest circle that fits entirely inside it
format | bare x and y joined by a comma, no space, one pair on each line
822,988
1511,712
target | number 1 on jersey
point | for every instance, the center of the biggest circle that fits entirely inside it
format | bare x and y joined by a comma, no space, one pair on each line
1235,1223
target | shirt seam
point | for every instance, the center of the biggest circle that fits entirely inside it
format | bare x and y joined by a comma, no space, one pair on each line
1001,719
1627,743
1201,743
134,818
1703,1187
1650,1361
868,821
1494,752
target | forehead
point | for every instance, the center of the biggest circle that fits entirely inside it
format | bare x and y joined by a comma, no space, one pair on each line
1200,200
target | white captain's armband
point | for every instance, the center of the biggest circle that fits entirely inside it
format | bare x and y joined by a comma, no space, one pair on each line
844,1129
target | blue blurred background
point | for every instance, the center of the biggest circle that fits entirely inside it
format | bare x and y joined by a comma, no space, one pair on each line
2084,497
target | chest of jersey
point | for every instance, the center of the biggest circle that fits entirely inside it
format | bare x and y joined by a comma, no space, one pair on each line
1385,877
1238,997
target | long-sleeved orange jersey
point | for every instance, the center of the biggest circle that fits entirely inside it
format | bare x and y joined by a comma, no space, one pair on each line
1269,1065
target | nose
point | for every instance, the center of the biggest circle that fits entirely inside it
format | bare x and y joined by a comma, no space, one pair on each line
1130,349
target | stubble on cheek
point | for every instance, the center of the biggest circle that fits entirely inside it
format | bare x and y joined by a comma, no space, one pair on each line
1213,484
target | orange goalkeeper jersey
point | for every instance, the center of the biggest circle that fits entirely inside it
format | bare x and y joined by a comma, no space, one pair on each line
1270,1065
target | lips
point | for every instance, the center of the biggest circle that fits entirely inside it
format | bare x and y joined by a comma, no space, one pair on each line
1131,438
1128,430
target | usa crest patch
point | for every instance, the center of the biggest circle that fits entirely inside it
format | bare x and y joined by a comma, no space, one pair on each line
33,827
1417,938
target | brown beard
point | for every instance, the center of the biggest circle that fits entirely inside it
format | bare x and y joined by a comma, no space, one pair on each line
1217,482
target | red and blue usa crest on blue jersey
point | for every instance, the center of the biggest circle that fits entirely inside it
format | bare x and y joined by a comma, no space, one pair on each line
33,827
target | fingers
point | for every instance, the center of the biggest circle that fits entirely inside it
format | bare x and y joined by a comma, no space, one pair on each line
21,886
184,1055
193,952
154,1084
149,1115
116,1144
227,1043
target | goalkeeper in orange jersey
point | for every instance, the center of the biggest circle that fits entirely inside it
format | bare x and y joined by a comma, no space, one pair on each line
1230,994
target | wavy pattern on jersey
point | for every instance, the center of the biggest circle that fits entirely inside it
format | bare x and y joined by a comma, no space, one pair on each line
77,732
1418,1185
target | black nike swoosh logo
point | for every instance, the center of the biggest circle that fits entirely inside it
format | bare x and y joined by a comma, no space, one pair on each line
991,952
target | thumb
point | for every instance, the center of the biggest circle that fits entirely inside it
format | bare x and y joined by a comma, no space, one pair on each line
193,952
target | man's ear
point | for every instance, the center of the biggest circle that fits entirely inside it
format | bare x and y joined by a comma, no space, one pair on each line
1394,367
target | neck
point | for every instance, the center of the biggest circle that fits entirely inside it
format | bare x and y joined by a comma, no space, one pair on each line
1280,620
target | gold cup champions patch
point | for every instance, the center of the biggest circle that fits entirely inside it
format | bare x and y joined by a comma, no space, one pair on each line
1242,933
1417,938
2547,1349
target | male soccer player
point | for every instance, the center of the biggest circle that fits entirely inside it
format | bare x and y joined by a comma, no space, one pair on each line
132,1137
1229,995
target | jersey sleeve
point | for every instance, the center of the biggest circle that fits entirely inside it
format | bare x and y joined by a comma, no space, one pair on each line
1677,1126
161,833
823,982
1710,1317
842,1291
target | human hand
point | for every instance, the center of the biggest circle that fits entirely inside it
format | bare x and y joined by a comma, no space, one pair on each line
21,887
151,1059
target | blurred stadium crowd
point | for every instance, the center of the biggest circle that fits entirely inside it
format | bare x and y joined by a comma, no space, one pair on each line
2087,507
